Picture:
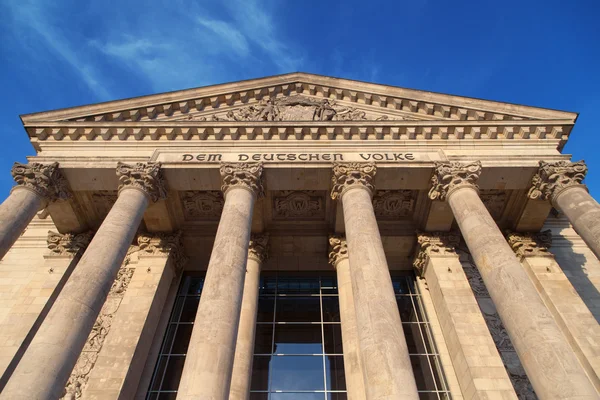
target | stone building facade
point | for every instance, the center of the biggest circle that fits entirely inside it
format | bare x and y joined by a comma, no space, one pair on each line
299,237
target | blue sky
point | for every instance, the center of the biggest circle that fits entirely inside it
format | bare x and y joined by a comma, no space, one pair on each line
63,53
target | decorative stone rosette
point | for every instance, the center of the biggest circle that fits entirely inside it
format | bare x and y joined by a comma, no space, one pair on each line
68,243
530,244
448,177
338,249
245,175
347,175
258,248
434,243
162,244
553,178
146,177
44,179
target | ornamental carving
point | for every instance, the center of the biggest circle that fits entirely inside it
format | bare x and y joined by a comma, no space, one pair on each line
530,244
338,249
293,108
258,248
553,178
451,176
144,176
202,205
68,243
391,204
494,201
89,355
346,175
473,275
290,204
44,179
434,244
245,175
163,244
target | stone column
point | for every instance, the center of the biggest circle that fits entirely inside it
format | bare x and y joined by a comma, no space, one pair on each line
478,365
37,185
573,317
549,361
560,182
244,349
118,368
54,350
209,361
383,351
338,258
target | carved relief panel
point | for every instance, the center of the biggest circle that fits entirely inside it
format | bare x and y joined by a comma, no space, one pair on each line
394,204
299,205
494,201
202,205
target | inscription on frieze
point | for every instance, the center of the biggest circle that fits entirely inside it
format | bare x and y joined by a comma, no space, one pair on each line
299,205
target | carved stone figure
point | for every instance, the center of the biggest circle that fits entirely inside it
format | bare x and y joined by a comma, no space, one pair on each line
144,176
258,247
350,174
338,249
433,243
530,244
394,203
451,176
44,179
246,175
290,204
68,243
553,178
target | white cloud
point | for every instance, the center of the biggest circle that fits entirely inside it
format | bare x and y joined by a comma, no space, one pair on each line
230,36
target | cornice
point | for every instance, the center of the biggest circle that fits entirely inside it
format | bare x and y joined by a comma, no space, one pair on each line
300,130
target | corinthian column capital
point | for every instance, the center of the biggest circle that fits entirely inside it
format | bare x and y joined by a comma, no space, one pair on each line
68,243
243,175
552,178
530,244
163,244
434,243
448,177
259,247
338,249
146,177
43,179
353,174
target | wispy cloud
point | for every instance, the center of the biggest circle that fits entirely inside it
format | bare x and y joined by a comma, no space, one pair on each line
229,36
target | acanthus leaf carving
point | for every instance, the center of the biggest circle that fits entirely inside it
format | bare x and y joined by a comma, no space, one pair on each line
144,176
434,244
552,178
530,244
294,108
245,175
68,243
258,248
163,243
338,249
202,205
44,179
448,177
346,175
290,204
394,203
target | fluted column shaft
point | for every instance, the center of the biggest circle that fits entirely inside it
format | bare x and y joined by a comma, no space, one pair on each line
37,185
560,182
355,385
549,361
383,351
209,362
45,367
244,349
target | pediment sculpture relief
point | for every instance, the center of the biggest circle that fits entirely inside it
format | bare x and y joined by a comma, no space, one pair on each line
294,108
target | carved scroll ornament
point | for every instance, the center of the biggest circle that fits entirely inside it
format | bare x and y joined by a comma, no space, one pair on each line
245,175
448,177
68,243
434,243
144,176
553,178
530,244
258,247
346,175
44,179
338,249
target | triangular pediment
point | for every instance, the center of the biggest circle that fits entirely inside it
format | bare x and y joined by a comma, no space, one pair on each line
298,97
